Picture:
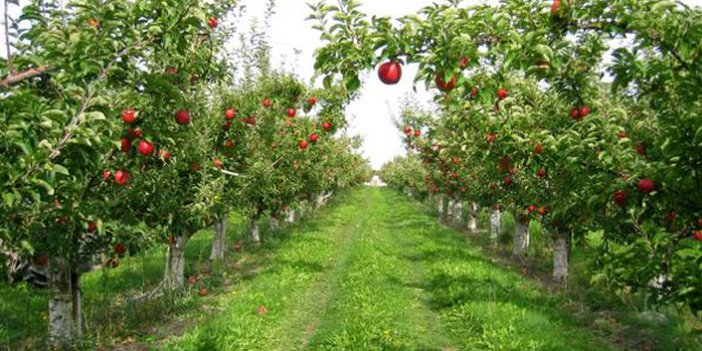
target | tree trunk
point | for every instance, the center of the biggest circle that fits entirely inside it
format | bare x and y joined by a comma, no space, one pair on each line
495,224
174,276
444,206
473,218
561,256
254,234
290,216
521,238
77,314
219,241
59,307
458,211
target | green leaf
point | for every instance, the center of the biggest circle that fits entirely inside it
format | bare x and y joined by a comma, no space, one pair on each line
60,169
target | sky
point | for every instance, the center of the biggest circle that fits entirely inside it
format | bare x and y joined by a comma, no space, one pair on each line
371,116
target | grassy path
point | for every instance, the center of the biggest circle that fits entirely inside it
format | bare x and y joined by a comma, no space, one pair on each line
375,272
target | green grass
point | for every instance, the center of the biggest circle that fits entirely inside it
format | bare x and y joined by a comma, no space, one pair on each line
372,271
378,273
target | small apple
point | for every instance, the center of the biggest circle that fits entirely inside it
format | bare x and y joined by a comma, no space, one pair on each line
541,173
698,235
313,138
543,210
291,112
326,126
195,167
42,260
106,175
134,133
417,133
584,111
442,84
92,226
262,310
267,103
145,148
575,114
228,144
226,126
538,149
532,208
456,160
555,6
474,91
490,138
620,197
172,71
646,185
303,144
507,181
312,101
192,280
230,114
121,177
218,163
641,149
464,61
165,155
125,145
129,116
203,292
671,216
213,22
390,72
621,134
502,94
120,249
182,117
407,130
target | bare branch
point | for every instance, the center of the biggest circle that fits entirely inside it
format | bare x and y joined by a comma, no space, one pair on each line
14,79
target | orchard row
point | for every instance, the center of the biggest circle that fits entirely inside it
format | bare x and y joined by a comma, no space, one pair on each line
122,129
584,115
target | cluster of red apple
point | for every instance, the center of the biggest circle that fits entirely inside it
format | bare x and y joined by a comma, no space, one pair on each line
409,132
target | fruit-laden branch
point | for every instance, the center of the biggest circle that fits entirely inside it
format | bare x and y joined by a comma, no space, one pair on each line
16,78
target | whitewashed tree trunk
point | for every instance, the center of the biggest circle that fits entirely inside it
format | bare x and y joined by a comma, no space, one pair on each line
174,275
290,218
219,241
495,224
60,322
444,206
561,256
77,310
521,239
274,224
473,218
458,211
254,234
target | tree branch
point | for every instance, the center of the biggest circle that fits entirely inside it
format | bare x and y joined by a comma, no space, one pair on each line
16,78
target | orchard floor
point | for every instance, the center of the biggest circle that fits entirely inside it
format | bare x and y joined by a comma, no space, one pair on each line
372,271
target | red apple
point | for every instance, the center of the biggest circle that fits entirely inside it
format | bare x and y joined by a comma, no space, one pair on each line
262,310
213,22
92,226
134,133
313,138
501,94
128,116
145,148
417,133
192,280
556,4
120,249
228,144
182,117
474,91
456,160
326,126
531,208
698,235
543,210
575,114
507,181
266,102
203,292
166,155
106,175
408,130
291,112
641,149
390,72
541,173
302,144
490,138
121,177
442,84
464,61
312,101
621,134
218,163
172,71
538,149
42,260
671,216
125,145
584,111
230,114
699,222
620,197
647,185
227,126
195,167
